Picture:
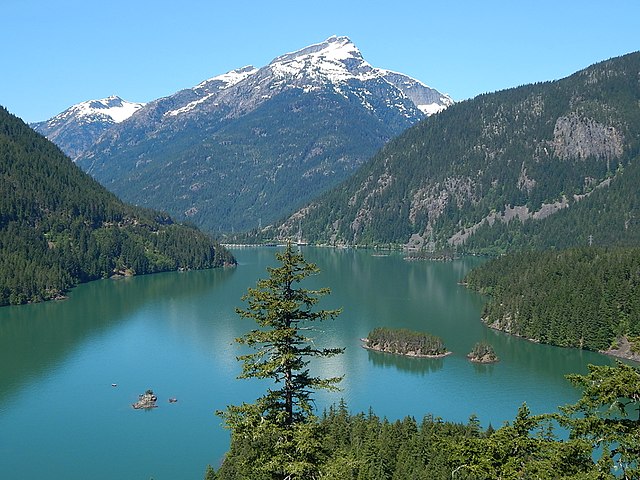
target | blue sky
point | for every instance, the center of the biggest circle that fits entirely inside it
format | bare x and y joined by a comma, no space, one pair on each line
61,52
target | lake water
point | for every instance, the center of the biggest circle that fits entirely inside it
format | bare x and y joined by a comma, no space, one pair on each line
60,416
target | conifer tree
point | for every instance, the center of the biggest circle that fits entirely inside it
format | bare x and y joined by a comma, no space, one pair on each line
280,425
608,416
283,311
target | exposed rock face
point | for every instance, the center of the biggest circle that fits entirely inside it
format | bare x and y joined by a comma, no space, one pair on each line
624,349
431,200
525,183
576,137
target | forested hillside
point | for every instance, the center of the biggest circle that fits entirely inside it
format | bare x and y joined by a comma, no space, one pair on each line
465,176
586,297
608,216
58,227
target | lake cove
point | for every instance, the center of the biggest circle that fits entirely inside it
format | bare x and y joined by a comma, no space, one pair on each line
174,333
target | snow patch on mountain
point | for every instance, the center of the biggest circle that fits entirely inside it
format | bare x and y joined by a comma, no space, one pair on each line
111,109
337,59
212,87
228,79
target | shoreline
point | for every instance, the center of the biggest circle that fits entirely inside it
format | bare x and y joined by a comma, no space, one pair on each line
411,355
623,352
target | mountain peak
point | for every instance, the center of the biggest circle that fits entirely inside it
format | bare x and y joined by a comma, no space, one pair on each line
111,109
334,46
81,124
336,59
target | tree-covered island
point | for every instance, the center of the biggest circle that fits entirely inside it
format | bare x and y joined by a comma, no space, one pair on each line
401,341
483,352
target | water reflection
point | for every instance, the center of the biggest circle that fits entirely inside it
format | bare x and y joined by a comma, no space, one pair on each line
483,368
420,366
37,338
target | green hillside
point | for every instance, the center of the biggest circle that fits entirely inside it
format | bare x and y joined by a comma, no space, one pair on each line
58,227
457,178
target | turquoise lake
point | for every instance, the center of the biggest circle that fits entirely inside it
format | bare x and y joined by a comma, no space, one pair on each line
60,416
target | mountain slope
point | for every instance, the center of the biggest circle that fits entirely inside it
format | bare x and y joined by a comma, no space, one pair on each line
59,227
256,143
79,126
524,153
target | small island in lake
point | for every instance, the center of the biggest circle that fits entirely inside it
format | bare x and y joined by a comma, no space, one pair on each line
401,341
483,353
146,400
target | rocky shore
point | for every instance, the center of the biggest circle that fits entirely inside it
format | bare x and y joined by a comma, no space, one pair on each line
146,400
409,353
623,351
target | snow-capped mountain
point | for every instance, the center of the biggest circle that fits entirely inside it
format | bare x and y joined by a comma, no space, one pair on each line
336,63
79,126
253,143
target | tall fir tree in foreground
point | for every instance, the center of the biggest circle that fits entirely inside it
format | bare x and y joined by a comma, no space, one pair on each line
281,423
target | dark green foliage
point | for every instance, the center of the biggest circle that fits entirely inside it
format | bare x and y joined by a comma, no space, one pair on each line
58,227
454,169
608,416
526,449
585,297
404,342
210,473
283,314
365,447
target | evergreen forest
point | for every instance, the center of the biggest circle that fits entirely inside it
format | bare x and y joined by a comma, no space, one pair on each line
59,227
584,297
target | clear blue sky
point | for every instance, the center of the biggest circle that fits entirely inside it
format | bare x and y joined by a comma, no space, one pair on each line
56,53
